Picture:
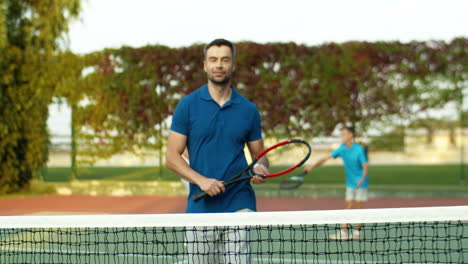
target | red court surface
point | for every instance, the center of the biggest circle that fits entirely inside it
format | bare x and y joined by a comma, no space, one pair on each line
80,204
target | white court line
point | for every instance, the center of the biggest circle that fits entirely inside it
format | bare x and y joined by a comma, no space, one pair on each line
397,215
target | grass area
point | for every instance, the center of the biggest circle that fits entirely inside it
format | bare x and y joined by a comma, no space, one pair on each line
376,191
61,174
326,181
35,188
436,175
391,174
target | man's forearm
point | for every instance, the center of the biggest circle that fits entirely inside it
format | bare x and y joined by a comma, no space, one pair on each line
177,164
264,161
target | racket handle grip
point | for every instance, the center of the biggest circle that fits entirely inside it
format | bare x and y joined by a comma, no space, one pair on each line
203,195
200,196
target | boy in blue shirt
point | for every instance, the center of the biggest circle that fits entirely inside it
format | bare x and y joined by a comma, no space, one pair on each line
354,157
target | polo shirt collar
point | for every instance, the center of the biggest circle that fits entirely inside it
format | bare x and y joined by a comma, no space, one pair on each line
350,147
205,94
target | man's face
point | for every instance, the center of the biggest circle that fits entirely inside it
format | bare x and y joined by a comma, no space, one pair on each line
219,64
346,136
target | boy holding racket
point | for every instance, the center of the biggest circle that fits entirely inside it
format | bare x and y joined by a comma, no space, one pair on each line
214,123
355,161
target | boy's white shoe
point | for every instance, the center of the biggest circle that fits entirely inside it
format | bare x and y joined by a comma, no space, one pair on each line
356,234
342,235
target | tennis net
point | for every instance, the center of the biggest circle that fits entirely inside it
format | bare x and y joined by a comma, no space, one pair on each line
409,235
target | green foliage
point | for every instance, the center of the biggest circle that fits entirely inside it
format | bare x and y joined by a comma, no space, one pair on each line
300,90
390,141
30,34
35,188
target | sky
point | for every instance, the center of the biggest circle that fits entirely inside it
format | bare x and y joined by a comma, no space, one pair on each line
115,23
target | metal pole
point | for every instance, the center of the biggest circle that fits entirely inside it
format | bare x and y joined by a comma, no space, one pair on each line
160,154
41,174
462,138
44,170
73,173
160,140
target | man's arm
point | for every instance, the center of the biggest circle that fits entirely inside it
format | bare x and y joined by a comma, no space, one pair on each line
364,175
255,148
318,163
175,147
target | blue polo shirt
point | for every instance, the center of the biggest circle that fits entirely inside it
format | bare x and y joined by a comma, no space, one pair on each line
216,137
353,158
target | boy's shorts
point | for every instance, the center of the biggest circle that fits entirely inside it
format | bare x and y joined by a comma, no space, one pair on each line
359,194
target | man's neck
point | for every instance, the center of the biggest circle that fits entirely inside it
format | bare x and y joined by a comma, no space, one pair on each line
220,93
349,144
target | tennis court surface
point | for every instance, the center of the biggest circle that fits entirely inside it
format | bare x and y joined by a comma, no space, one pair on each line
409,235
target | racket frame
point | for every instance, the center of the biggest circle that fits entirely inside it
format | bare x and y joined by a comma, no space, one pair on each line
249,169
297,183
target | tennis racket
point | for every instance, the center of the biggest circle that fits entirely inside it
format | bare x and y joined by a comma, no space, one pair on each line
282,158
294,182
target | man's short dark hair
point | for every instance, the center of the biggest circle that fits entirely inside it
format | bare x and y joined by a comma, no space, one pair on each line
221,42
350,129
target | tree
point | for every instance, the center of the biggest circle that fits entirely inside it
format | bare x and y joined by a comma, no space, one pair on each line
31,34
300,90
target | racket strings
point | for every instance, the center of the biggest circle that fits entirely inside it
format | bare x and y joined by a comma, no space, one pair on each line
286,156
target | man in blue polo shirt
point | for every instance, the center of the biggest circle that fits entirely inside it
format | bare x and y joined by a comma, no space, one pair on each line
214,123
354,157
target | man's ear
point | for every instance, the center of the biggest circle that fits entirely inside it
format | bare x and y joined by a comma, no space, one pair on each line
204,66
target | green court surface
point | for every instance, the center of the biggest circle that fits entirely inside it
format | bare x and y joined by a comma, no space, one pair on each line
379,243
379,174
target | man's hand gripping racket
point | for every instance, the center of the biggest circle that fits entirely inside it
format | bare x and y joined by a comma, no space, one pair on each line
281,159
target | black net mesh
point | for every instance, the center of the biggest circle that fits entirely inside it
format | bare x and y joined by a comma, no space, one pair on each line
415,242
